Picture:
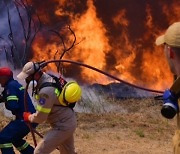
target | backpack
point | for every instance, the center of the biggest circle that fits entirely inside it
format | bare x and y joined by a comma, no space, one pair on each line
59,84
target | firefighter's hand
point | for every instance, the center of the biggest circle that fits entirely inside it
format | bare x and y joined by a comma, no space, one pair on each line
26,116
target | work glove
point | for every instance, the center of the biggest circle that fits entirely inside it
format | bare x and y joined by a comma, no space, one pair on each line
26,116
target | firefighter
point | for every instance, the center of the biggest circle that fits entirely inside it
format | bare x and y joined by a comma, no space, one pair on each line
171,42
50,108
16,130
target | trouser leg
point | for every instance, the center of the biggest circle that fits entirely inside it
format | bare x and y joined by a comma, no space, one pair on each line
7,150
14,133
54,139
6,145
23,147
68,146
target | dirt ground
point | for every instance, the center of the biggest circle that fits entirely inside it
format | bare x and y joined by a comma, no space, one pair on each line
139,129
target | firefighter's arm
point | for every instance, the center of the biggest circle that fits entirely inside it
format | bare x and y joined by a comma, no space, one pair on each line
44,106
12,99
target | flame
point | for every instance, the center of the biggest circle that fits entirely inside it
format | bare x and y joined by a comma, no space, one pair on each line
111,42
93,48
172,16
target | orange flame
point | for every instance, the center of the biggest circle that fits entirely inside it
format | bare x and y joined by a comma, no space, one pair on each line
136,60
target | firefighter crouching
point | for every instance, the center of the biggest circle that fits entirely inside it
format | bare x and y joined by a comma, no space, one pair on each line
53,106
16,130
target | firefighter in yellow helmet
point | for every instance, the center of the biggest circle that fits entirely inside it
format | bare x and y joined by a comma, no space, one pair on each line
54,105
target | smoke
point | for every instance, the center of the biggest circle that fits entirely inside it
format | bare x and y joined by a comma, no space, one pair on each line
53,12
17,29
14,20
3,17
94,102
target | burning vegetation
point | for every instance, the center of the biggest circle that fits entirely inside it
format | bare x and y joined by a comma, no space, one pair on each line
115,36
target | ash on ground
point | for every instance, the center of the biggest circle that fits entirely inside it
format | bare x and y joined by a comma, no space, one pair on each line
121,91
98,98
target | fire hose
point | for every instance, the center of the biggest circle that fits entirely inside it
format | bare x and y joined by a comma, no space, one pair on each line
43,64
100,71
26,110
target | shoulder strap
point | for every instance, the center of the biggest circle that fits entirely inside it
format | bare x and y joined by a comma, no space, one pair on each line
48,84
54,77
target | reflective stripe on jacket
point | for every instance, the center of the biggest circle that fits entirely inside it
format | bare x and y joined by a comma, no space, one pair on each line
13,95
6,145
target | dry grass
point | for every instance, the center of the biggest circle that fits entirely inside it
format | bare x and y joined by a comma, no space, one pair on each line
135,127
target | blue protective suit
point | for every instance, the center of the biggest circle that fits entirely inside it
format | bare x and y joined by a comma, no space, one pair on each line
16,130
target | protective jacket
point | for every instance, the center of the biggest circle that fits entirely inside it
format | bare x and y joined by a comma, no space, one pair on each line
16,130
62,119
13,96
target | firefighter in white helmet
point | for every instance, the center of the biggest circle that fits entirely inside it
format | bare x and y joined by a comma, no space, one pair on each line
53,106
170,40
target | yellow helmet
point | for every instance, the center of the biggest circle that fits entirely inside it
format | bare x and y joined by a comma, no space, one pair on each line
71,93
